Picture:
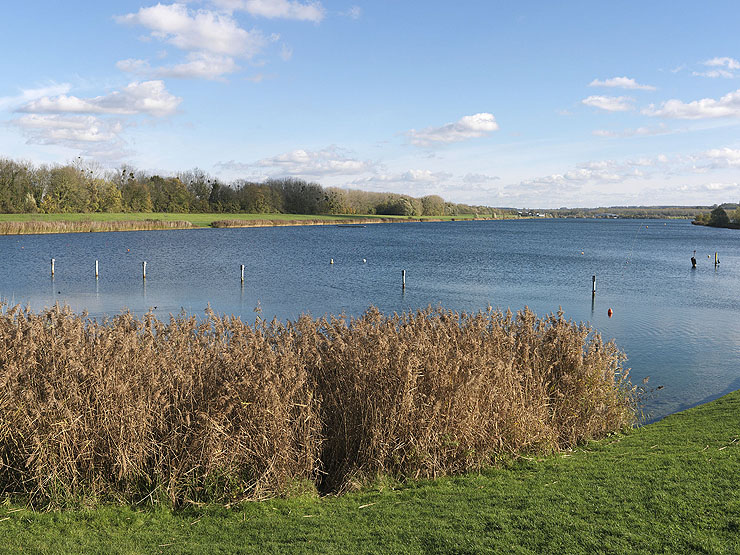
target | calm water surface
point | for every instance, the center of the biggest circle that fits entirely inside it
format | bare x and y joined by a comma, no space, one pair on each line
679,326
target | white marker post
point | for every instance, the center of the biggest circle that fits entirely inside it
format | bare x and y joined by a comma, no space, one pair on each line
96,270
143,270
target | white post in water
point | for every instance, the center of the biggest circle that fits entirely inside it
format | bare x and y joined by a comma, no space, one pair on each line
52,267
403,279
143,270
96,269
242,273
716,259
593,285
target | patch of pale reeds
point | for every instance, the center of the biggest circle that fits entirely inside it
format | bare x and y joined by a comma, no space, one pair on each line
38,226
294,222
217,410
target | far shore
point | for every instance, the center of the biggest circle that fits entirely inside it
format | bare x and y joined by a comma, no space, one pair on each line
33,224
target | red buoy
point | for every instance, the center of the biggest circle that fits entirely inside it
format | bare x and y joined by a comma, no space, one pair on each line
609,312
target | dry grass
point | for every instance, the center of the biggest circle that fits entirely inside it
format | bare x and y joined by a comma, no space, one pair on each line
38,226
316,221
218,410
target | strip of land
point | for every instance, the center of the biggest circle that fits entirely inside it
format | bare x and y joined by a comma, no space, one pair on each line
669,487
21,224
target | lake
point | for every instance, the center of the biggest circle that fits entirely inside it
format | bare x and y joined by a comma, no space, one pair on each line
678,325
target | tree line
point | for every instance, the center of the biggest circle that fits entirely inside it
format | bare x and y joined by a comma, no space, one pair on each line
720,218
84,187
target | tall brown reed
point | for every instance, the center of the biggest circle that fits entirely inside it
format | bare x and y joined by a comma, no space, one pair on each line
37,226
288,222
215,409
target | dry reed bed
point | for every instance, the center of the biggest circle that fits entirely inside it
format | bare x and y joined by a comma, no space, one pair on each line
192,410
37,227
376,220
275,223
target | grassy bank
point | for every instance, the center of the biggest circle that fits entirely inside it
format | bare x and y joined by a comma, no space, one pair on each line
12,224
215,410
670,487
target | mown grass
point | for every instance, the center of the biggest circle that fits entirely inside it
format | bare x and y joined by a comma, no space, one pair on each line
77,222
669,487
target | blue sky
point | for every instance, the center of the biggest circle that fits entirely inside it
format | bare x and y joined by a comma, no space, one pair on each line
526,104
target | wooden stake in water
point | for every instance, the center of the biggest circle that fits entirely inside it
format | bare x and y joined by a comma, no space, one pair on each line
52,267
143,270
593,285
403,279
242,273
96,269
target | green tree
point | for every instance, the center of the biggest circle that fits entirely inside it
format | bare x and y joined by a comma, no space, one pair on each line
109,197
396,205
433,205
169,195
718,217
16,193
136,195
67,192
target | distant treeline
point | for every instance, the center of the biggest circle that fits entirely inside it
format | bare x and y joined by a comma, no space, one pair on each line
720,218
684,212
82,188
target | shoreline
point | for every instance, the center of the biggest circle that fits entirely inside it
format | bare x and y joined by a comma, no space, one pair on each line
705,224
61,225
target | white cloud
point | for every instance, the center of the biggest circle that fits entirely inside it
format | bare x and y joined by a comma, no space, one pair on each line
479,178
729,63
416,182
600,172
723,158
201,30
148,97
272,9
27,95
467,127
727,106
89,135
200,65
55,129
259,77
622,83
329,161
714,73
609,103
636,132
723,67
355,12
723,187
286,52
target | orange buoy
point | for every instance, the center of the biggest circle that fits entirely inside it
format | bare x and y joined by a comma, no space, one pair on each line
609,312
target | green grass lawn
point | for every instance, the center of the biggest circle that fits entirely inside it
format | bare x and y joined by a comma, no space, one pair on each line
670,487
